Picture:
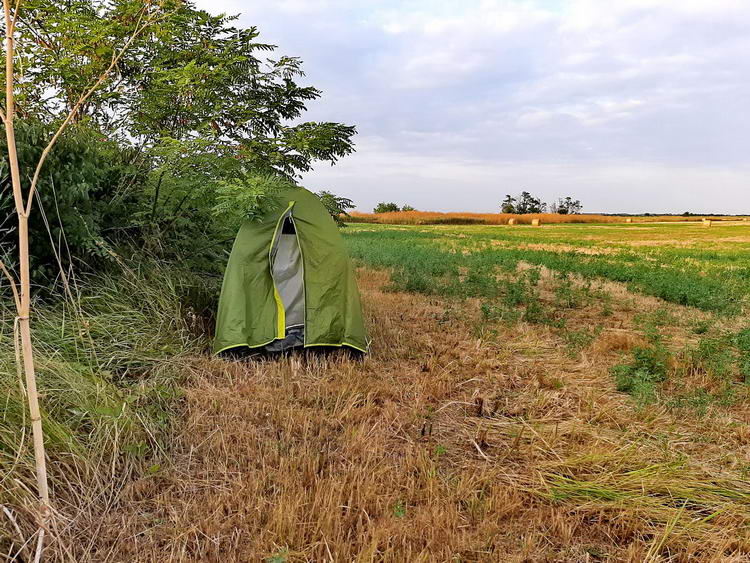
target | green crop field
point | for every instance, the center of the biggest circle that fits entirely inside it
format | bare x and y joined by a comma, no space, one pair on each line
686,264
568,278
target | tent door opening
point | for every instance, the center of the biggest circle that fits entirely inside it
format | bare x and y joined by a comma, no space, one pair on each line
287,271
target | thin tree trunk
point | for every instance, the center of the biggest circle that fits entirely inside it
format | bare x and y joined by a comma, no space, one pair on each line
24,305
28,364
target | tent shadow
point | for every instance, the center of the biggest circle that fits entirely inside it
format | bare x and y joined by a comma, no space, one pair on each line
245,354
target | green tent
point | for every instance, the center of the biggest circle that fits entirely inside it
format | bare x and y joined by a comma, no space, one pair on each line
289,283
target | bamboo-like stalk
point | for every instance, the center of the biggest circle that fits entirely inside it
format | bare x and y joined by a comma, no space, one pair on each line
23,303
23,206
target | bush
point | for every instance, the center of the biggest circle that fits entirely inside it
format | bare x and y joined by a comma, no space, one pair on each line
383,207
85,195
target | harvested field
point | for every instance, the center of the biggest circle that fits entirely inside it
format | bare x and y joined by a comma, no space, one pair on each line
481,428
508,411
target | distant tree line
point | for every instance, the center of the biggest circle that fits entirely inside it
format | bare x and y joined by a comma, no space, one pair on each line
526,203
391,207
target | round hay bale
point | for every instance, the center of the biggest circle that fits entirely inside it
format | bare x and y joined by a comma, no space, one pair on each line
706,222
628,219
512,221
536,222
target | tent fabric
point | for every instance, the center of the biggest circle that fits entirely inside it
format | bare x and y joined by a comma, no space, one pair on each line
288,274
275,279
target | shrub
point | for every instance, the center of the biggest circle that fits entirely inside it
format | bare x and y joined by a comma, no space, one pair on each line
383,207
85,191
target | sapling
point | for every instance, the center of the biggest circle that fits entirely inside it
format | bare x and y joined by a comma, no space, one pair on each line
23,197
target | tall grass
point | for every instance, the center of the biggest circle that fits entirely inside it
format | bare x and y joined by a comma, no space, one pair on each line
108,361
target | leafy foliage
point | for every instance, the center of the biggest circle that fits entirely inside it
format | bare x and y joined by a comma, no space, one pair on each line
196,121
74,42
192,76
648,367
87,190
383,207
336,206
248,196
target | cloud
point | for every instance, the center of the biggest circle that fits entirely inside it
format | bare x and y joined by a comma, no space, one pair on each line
591,98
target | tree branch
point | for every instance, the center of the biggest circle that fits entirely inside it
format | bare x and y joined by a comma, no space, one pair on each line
10,104
13,287
12,28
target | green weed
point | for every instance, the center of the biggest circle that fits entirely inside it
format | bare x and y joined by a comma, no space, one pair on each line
399,510
570,296
496,313
648,367
700,400
701,327
713,357
578,340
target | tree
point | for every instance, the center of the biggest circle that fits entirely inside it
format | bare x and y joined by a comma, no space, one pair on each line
204,77
196,102
407,207
383,207
336,206
508,205
191,76
568,206
115,37
526,203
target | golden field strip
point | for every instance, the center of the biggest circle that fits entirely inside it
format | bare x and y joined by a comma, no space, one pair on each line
438,218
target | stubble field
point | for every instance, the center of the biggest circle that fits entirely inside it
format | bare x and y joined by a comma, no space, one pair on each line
561,393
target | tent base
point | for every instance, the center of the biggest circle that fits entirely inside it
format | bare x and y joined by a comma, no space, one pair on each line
295,338
240,353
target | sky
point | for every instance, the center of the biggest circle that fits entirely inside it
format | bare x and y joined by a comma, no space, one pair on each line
628,105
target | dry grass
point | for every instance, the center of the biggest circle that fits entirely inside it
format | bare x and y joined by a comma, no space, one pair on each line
445,444
437,218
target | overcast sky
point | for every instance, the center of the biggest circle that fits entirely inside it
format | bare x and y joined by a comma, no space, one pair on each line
628,105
